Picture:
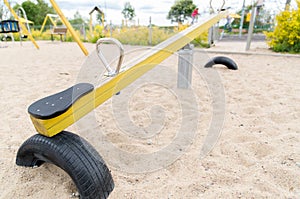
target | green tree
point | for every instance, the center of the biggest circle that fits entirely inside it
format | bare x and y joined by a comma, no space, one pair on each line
31,10
181,10
36,12
44,9
77,19
1,11
128,11
100,18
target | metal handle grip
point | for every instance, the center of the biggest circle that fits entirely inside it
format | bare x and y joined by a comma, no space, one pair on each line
212,9
110,71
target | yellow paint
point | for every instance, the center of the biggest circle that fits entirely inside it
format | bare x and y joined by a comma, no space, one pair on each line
248,17
45,21
24,29
136,69
69,26
22,20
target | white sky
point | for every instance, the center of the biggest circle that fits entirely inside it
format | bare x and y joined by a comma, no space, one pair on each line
158,10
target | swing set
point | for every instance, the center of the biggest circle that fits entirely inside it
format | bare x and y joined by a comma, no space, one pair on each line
27,32
13,26
9,26
52,18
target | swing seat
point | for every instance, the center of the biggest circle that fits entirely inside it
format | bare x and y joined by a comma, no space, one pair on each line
9,26
57,104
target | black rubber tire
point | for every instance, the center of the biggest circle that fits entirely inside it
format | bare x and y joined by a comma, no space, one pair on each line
74,155
229,63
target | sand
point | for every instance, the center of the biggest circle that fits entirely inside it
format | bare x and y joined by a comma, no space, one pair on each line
153,136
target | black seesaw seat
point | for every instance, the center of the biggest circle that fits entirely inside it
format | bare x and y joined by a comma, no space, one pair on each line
54,105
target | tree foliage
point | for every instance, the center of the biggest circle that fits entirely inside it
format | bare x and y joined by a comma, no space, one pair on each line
77,19
181,10
1,11
128,11
36,12
285,37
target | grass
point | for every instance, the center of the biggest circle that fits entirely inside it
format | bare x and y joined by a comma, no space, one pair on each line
136,35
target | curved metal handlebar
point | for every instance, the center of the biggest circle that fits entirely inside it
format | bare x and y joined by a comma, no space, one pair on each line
212,10
110,71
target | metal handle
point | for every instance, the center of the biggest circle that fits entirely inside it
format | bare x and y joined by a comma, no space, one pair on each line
212,9
110,71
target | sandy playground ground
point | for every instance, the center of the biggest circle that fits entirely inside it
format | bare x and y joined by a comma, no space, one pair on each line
257,154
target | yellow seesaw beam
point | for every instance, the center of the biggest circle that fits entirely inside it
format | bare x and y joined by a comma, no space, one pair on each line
21,24
137,68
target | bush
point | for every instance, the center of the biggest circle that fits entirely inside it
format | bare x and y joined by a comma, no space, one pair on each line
97,34
285,37
200,41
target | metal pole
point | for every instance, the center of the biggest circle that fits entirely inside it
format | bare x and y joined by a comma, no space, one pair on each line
185,67
287,4
110,28
242,20
91,25
84,32
251,27
150,31
25,17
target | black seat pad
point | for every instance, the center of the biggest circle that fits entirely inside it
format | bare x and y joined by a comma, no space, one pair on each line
54,105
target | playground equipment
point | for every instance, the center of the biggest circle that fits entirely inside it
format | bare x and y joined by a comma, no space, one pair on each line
53,114
55,30
23,27
255,7
12,26
212,30
96,8
69,26
53,126
24,20
52,18
111,72
9,26
229,20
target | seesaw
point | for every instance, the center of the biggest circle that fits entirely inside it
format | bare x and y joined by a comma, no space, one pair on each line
53,114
